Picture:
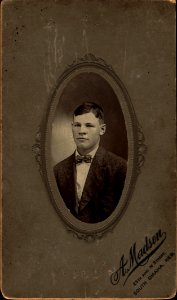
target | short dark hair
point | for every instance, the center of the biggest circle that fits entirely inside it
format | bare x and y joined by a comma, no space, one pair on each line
87,107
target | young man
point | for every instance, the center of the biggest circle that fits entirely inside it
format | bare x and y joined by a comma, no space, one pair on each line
91,180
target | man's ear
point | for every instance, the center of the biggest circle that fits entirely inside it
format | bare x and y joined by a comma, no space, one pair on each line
102,129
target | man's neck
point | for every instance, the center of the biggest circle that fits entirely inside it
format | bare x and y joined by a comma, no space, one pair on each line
88,151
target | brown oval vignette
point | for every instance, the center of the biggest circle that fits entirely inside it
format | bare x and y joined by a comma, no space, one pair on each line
84,79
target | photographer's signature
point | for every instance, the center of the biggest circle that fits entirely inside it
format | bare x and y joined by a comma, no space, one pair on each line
137,258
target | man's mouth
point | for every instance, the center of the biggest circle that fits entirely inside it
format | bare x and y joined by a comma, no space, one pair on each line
82,139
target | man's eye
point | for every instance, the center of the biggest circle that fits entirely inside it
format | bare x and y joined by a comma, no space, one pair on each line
76,125
89,125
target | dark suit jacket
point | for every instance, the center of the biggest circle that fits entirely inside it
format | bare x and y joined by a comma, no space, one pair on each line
103,186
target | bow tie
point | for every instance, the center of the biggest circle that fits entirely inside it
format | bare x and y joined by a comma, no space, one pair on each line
85,158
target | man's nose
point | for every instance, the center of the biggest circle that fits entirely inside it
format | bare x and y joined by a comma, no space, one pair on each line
83,130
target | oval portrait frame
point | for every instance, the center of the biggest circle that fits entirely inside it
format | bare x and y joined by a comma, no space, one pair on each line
136,147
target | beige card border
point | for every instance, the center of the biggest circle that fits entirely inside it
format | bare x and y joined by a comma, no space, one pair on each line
1,156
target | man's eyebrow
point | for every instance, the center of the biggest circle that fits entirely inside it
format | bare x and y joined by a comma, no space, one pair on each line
87,123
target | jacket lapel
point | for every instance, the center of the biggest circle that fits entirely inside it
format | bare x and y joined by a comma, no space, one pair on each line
95,179
70,174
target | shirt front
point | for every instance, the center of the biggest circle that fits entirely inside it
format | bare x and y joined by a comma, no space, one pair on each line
82,170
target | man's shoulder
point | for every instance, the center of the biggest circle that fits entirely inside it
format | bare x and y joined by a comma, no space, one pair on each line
64,163
111,158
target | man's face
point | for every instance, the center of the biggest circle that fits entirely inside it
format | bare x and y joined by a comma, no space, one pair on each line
87,131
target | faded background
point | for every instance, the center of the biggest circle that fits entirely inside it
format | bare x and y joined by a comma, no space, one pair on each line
82,88
40,38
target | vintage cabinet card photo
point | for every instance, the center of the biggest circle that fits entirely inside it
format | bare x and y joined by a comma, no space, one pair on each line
88,108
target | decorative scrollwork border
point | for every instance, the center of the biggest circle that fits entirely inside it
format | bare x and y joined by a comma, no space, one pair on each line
36,149
141,148
89,57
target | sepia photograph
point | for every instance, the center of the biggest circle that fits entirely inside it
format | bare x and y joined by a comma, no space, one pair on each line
91,179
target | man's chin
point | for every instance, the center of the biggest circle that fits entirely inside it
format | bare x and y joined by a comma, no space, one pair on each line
82,147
